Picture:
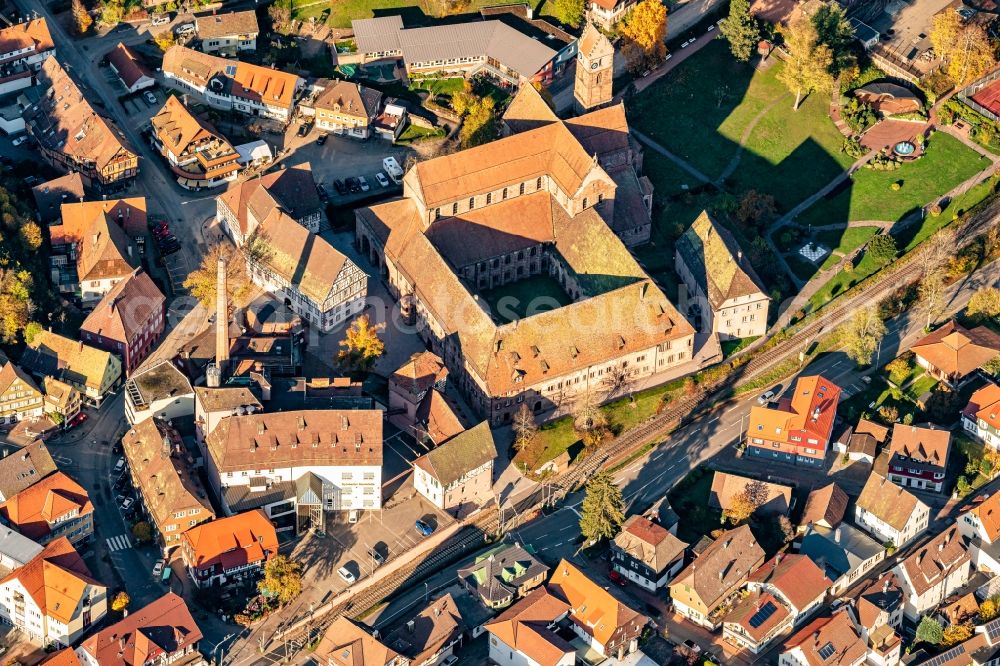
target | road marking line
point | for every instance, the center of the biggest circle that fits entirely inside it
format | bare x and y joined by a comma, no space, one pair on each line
711,421
119,542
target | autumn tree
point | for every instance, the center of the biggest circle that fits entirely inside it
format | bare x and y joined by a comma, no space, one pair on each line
111,12
862,334
744,504
202,283
282,579
525,428
165,40
807,68
955,634
618,380
989,609
142,532
31,235
120,602
964,46
931,293
569,12
603,508
741,29
984,304
280,13
480,122
362,345
81,17
756,209
587,414
644,31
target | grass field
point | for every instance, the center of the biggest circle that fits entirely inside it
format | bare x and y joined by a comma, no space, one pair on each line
947,163
532,295
438,86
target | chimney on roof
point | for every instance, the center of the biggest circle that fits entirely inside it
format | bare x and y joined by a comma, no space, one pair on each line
409,626
885,586
836,535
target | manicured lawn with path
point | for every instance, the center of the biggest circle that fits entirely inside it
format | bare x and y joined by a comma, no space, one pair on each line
700,109
948,162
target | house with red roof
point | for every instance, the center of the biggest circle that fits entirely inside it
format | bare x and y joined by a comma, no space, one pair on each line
917,457
951,353
606,13
128,321
134,75
228,549
646,553
827,640
981,417
162,632
799,429
54,507
23,47
979,523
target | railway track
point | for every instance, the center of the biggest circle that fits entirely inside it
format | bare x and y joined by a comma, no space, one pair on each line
675,414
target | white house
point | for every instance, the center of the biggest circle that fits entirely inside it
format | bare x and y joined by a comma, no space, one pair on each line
211,405
53,598
244,206
228,33
980,525
933,572
796,580
129,69
23,48
817,642
457,475
256,456
646,553
890,513
525,634
161,391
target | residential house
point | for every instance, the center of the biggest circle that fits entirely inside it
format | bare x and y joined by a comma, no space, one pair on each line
825,507
877,612
755,621
917,457
244,206
861,443
457,475
161,632
61,398
128,321
347,108
606,13
933,572
105,256
826,640
526,633
346,644
55,507
727,487
16,550
979,523
607,625
431,635
391,121
981,417
799,430
256,460
409,384
228,33
796,580
844,553
890,513
724,293
159,391
492,48
503,575
230,548
24,468
19,396
129,69
91,371
53,599
211,405
52,194
646,553
72,136
952,352
702,591
24,47
196,152
504,212
232,85
321,284
169,490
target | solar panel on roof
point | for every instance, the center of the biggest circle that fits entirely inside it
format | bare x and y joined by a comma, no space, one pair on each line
826,651
762,615
945,657
231,70
993,630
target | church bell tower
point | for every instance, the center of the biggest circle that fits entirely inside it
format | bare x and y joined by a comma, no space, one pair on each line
594,70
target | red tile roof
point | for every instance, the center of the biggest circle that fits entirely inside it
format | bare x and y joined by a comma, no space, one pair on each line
55,579
796,576
34,510
126,309
130,69
163,627
245,538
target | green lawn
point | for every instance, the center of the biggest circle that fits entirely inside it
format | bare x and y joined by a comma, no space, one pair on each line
843,281
516,300
802,267
947,163
438,86
919,387
342,12
976,194
700,109
730,347
417,133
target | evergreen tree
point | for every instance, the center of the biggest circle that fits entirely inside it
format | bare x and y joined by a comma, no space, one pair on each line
929,630
741,29
603,510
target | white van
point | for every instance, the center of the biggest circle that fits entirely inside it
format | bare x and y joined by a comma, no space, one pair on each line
392,168
161,19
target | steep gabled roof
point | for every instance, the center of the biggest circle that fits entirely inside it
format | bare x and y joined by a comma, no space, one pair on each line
163,627
525,627
723,566
36,509
56,580
809,414
126,309
24,468
920,446
32,34
229,24
888,502
469,450
796,576
231,541
128,65
829,640
649,543
825,506
593,609
346,644
935,560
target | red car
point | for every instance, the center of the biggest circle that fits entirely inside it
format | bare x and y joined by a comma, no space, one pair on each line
617,578
77,420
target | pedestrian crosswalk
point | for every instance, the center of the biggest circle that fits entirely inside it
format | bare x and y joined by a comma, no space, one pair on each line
120,542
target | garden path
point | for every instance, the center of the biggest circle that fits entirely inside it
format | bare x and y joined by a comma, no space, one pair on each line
735,162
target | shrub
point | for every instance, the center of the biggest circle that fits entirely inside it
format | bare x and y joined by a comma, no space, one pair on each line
896,186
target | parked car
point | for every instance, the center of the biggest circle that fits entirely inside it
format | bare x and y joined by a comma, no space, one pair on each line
424,529
119,466
126,503
304,129
353,185
450,661
693,647
19,140
321,139
617,578
322,192
352,516
766,398
364,184
161,19
346,575
184,29
158,568
150,97
77,420
340,187
382,180
376,557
